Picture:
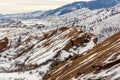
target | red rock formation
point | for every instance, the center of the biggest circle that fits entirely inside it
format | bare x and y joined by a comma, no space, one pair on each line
100,58
3,44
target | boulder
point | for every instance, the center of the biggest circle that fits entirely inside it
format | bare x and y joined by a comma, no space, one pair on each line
3,44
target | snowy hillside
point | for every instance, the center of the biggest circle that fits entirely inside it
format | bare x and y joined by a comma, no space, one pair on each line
102,22
27,55
92,5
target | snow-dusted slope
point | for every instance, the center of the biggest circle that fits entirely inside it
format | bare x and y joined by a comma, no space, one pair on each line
100,63
27,53
102,22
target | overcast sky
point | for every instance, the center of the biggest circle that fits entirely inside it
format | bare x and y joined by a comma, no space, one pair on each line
19,6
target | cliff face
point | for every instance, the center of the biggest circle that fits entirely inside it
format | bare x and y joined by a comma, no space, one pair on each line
101,62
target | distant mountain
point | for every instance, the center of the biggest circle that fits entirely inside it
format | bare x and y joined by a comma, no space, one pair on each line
1,15
96,4
23,15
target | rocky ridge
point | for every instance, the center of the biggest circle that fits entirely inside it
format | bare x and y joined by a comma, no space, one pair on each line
27,53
